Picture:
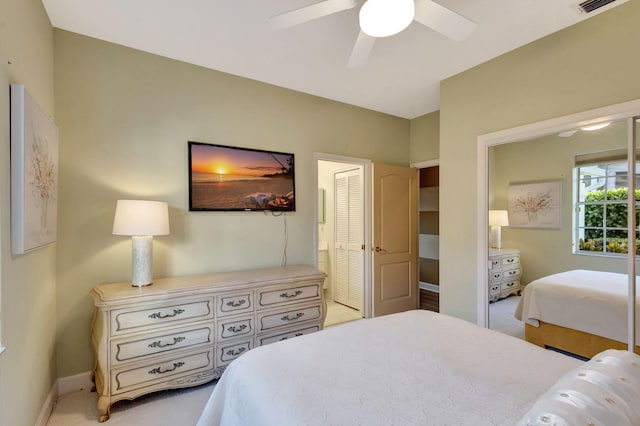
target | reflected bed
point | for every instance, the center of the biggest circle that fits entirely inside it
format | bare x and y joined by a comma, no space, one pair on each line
580,311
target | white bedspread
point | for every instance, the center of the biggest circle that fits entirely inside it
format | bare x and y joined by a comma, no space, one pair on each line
412,368
591,301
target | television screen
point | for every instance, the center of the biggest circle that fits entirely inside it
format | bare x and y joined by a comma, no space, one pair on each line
224,178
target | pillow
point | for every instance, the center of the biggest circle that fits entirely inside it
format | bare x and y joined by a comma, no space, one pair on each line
604,391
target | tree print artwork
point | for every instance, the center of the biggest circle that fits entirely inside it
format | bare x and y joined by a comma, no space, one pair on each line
535,205
34,174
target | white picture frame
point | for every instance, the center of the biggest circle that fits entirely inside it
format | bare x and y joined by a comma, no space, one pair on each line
34,174
535,205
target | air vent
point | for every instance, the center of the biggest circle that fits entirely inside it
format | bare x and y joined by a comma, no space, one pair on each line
591,5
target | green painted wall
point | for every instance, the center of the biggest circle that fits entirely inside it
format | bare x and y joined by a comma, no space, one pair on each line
28,366
424,137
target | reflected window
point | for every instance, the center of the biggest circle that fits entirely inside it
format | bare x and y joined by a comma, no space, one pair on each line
601,205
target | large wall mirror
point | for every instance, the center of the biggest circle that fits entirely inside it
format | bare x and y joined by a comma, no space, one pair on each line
558,193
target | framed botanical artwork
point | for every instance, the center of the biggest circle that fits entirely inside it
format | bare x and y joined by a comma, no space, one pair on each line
535,205
34,174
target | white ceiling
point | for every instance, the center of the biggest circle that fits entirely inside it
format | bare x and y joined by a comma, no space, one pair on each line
401,76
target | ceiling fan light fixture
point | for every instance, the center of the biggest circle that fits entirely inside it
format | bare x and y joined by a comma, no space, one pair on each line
384,18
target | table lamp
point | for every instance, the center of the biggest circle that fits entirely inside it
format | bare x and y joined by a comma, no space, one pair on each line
141,220
497,219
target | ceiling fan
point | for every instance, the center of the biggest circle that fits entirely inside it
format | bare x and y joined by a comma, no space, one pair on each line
381,18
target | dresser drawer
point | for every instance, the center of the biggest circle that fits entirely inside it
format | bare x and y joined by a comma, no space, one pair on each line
510,260
134,348
150,374
230,350
494,289
268,321
148,317
495,263
508,286
511,273
235,303
229,328
284,335
495,276
289,295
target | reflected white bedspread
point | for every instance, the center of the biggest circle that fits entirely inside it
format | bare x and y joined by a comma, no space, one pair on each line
591,301
416,367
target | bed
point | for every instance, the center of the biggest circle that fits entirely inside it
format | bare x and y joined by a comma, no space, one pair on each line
580,311
416,367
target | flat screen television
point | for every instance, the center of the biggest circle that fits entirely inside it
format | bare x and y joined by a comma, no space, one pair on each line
227,178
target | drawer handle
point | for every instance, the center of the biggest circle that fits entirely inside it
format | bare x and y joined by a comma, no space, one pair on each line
234,304
513,272
233,352
510,260
296,335
286,295
297,316
235,329
496,275
159,370
159,344
162,316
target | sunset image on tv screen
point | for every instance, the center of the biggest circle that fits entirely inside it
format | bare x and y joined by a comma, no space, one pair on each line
230,178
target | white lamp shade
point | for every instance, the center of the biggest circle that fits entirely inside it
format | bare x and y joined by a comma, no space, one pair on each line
498,218
139,217
383,18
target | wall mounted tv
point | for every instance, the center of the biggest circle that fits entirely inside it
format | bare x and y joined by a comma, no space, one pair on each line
227,178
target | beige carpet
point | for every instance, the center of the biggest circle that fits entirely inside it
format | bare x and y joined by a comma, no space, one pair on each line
501,317
180,407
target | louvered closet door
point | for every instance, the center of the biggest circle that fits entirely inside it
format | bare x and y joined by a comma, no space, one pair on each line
349,238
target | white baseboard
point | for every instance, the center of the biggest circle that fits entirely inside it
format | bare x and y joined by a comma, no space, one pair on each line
74,383
62,386
47,407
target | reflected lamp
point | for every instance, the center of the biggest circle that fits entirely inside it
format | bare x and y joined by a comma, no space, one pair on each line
497,219
141,220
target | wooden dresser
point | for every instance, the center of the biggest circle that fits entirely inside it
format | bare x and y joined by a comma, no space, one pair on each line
184,331
505,273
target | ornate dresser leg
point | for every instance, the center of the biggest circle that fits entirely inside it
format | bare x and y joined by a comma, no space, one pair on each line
104,408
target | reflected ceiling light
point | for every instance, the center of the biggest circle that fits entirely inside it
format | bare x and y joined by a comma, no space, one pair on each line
595,126
384,18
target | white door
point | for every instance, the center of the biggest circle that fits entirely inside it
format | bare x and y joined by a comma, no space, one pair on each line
395,239
349,238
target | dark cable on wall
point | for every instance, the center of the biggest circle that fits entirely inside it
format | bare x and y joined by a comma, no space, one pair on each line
283,260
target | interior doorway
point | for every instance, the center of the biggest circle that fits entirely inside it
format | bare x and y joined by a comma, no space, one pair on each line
342,235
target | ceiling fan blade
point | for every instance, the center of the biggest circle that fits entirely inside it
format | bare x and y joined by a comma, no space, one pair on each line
311,12
443,20
361,50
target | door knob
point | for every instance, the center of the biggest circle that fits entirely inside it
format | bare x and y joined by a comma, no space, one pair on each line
380,250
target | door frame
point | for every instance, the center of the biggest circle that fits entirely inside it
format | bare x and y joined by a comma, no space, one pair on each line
366,173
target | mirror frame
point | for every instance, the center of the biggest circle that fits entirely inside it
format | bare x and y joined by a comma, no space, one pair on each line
626,110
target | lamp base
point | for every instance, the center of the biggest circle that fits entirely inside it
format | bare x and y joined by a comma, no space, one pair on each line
141,261
495,237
